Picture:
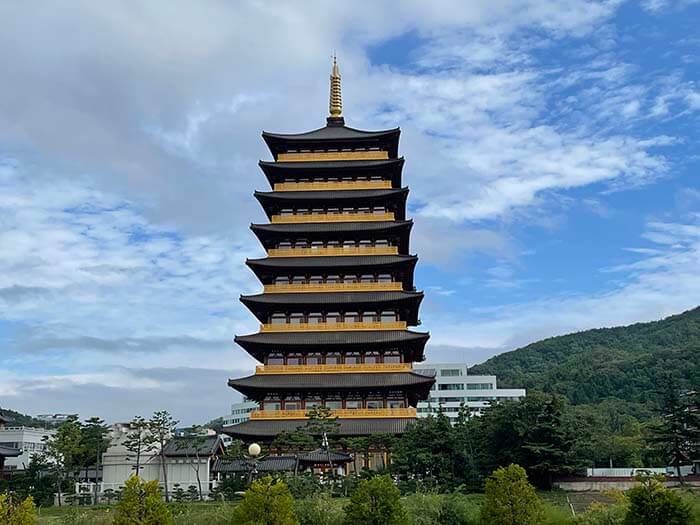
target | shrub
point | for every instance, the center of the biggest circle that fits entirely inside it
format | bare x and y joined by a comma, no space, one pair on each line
601,514
320,509
303,485
376,501
423,509
266,502
17,512
141,504
653,504
509,499
457,509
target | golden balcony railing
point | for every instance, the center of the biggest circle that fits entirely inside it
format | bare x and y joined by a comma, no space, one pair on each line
332,287
332,217
310,156
333,185
333,251
333,369
345,413
332,327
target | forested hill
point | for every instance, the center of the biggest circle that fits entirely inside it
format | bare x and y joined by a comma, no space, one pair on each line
21,420
629,363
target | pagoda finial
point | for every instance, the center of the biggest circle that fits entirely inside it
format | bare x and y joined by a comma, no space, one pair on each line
336,102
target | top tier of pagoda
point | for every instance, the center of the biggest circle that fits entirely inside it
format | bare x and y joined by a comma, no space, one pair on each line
338,293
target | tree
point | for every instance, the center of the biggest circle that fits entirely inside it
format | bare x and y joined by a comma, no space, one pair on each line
141,504
651,503
266,502
17,512
677,435
139,440
375,501
95,441
509,499
161,427
62,453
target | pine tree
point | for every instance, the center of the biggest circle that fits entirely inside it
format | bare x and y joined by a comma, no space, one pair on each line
141,504
375,501
266,502
509,499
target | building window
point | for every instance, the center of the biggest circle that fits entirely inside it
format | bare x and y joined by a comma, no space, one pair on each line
369,317
397,404
479,386
332,359
451,386
353,404
352,358
278,319
375,403
270,405
333,404
296,318
352,317
333,317
388,317
315,318
275,359
392,357
294,359
451,372
371,358
313,359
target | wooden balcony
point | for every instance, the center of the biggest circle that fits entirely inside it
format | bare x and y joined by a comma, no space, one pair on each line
344,413
311,156
332,217
332,327
333,287
365,368
334,185
333,251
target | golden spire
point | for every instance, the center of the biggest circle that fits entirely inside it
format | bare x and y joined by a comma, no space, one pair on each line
336,102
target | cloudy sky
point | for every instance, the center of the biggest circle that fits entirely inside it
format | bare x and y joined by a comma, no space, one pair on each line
551,152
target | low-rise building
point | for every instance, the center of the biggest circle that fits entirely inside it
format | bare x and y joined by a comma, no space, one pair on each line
29,440
454,387
240,412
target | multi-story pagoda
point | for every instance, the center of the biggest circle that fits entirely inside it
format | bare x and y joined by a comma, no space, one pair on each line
338,285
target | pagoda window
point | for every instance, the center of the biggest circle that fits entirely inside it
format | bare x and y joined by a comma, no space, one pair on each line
352,317
334,279
369,317
353,404
316,279
282,280
371,357
349,244
271,405
315,318
392,357
298,279
296,318
301,244
348,211
332,359
365,243
333,211
378,210
295,359
347,179
384,278
287,211
381,242
278,319
364,209
313,402
367,278
285,245
375,177
317,211
397,403
375,403
316,245
333,244
314,359
275,359
292,405
333,317
303,211
333,404
352,358
388,316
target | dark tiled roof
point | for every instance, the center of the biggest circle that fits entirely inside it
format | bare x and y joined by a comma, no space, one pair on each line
410,343
257,386
322,456
347,427
341,261
331,195
407,302
268,464
279,171
331,133
332,227
205,446
8,452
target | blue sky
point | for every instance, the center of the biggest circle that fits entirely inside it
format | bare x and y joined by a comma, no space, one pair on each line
551,154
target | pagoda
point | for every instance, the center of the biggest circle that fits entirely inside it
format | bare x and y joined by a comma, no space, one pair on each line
338,292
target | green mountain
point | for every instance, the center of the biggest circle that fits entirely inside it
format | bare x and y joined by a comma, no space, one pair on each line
21,420
629,363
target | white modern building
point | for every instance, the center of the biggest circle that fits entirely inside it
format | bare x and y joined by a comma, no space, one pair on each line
27,439
454,386
240,412
55,419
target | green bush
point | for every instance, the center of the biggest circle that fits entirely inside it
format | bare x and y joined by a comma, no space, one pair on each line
509,499
302,485
266,502
142,504
458,509
601,514
320,509
17,512
651,503
376,501
423,509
